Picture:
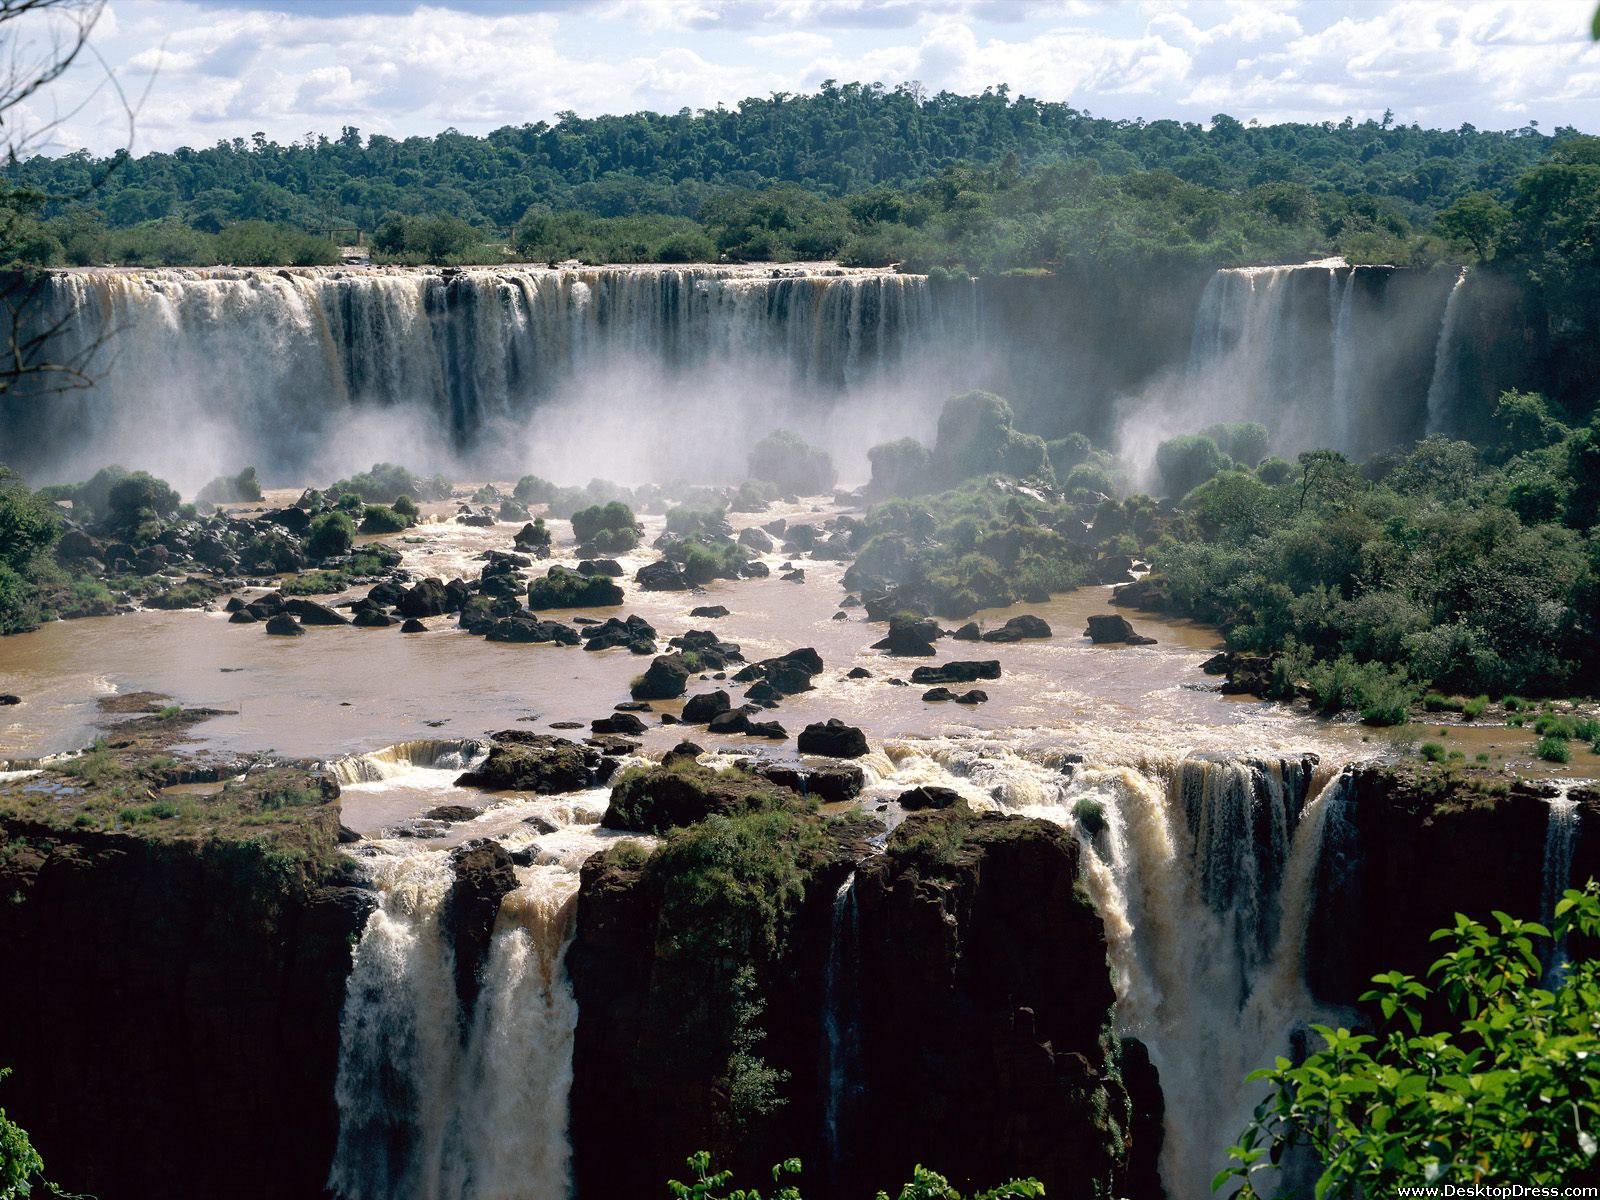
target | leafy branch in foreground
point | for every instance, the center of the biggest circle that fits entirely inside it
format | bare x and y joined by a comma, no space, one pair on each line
1506,1089
924,1185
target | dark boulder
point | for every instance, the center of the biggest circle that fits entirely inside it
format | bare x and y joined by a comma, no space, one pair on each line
709,611
684,750
426,598
608,567
910,637
312,613
927,796
366,618
833,739
621,722
757,540
666,679
699,710
957,672
283,625
484,873
1111,628
662,575
412,625
938,694
968,632
975,696
831,784
858,673
531,762
679,794
1018,628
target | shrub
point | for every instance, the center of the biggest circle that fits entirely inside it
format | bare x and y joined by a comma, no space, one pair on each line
1433,752
331,535
384,483
900,468
562,587
406,507
1474,1078
531,489
136,504
610,527
1186,461
796,466
1552,749
1090,815
230,489
378,518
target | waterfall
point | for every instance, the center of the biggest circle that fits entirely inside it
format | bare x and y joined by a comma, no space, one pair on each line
203,368
1560,838
841,1020
1446,367
1205,882
405,758
435,1104
1343,309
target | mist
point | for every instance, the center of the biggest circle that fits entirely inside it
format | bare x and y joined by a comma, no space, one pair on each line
671,374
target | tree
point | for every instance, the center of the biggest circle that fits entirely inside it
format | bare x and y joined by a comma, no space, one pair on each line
1187,461
924,1185
21,1168
1507,1087
39,40
1477,222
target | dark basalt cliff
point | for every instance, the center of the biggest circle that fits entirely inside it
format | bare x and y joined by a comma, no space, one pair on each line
171,1011
1412,847
982,1025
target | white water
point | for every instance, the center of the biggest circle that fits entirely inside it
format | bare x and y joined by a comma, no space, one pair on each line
1204,876
841,1020
437,1107
1560,838
405,760
1446,368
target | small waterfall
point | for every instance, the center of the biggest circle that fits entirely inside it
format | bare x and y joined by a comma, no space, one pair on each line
1446,365
435,1104
842,1020
405,758
1560,838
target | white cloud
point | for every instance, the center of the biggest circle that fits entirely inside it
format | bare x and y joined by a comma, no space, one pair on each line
229,71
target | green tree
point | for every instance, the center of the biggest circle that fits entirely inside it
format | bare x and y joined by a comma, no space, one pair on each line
707,1184
1506,1088
21,1168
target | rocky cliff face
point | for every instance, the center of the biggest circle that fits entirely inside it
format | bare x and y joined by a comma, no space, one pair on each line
978,1040
1410,849
171,1010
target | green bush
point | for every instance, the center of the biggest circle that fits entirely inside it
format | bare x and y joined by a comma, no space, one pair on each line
230,489
610,527
387,482
1482,1076
378,518
706,1184
794,465
330,535
1090,815
1186,461
1552,749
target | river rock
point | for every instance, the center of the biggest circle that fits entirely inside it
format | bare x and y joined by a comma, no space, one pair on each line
662,575
830,784
709,611
910,637
757,540
312,613
934,695
918,799
975,696
412,625
284,625
1018,628
699,710
666,679
832,739
617,722
366,618
530,762
1112,628
484,874
957,672
426,598
968,632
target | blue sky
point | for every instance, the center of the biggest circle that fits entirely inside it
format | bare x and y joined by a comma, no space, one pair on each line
226,68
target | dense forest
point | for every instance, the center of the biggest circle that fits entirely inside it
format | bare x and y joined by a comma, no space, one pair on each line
863,173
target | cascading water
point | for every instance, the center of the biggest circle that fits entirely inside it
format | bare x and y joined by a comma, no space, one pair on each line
1204,871
436,1107
1560,838
278,366
841,1020
1325,354
1446,365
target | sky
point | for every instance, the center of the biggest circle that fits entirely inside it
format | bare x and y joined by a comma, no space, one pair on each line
205,70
